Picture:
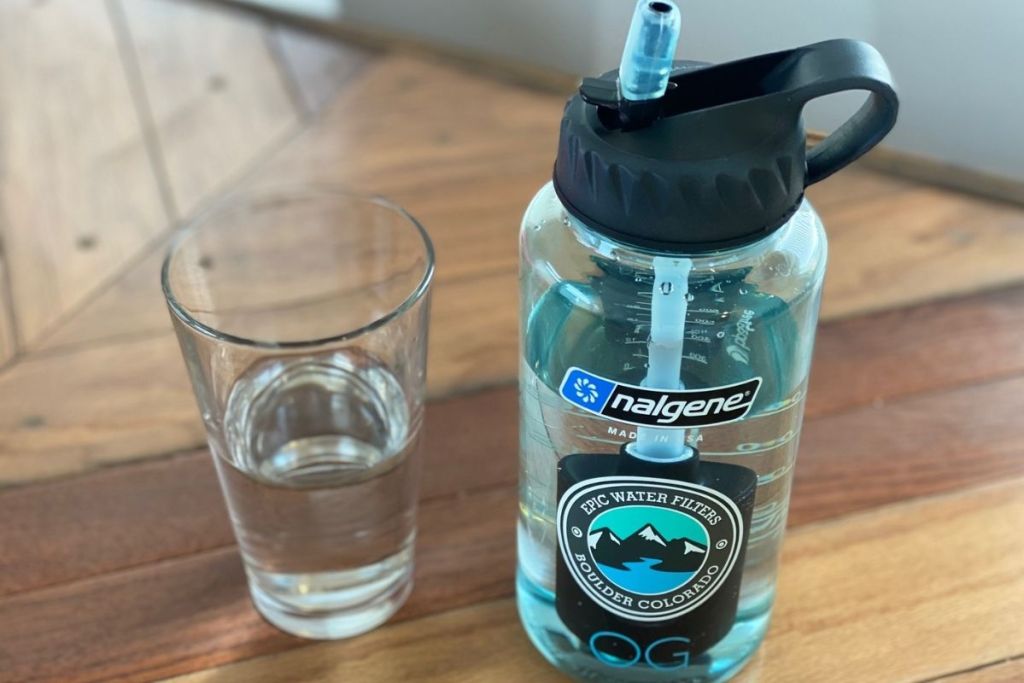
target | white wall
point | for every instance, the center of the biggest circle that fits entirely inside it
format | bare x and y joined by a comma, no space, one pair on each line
318,9
957,64
543,32
959,67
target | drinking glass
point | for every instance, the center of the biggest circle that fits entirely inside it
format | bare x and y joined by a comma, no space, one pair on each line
302,317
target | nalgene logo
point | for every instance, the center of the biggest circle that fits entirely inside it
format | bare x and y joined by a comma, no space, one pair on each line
657,408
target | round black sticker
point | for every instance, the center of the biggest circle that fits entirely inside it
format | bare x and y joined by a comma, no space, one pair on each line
648,549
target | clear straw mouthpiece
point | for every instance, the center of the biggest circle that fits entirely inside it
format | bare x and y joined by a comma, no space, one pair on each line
650,49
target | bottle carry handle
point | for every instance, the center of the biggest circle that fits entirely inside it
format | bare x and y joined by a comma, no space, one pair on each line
777,85
838,66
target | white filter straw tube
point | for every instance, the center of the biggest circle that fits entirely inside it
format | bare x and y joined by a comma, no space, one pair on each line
665,355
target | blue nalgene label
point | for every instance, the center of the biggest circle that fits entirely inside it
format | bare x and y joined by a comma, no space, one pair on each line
656,407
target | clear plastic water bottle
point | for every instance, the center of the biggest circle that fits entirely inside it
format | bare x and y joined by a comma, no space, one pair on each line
671,276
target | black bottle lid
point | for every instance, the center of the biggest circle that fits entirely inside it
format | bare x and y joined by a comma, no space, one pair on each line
721,159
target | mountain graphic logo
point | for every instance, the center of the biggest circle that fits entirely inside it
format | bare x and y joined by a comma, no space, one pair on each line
644,549
647,550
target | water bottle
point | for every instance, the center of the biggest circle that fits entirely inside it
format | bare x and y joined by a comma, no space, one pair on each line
670,281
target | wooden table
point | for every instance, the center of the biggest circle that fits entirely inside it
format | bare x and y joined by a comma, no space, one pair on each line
905,558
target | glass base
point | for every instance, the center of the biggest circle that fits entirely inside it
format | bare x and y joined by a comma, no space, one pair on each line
333,605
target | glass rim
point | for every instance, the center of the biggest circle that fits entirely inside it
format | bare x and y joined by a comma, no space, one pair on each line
237,201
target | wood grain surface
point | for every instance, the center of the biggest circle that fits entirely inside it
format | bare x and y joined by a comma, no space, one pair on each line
865,362
1003,671
8,334
79,196
117,561
826,626
927,443
106,411
442,166
132,305
850,461
52,543
422,164
928,243
845,429
217,97
318,67
148,407
129,307
194,611
958,340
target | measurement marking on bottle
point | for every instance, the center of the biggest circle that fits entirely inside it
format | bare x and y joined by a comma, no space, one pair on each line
775,474
781,407
745,449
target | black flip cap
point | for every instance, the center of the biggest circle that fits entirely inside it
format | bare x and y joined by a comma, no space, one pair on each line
721,159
